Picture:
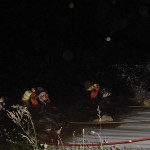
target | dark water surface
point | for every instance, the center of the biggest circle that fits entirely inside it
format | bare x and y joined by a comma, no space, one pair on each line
133,125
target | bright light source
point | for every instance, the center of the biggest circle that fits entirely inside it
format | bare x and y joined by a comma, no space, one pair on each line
71,5
108,39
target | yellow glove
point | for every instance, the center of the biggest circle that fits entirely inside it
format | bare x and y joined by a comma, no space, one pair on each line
26,95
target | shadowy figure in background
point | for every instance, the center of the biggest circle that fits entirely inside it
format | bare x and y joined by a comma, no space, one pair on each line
36,97
2,111
2,103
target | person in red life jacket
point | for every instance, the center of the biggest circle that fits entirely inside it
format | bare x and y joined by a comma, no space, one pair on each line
35,97
95,90
99,96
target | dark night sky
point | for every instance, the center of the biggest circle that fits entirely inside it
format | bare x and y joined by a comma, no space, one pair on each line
66,40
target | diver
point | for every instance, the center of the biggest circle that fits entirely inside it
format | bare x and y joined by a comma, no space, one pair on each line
35,97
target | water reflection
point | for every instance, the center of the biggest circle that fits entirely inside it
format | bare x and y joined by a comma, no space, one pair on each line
134,125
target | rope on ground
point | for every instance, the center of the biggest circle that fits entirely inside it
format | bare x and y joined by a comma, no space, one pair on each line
99,144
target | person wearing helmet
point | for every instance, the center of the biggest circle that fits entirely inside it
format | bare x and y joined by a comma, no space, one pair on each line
35,97
94,89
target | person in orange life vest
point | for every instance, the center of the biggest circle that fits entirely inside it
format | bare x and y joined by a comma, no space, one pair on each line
94,89
35,97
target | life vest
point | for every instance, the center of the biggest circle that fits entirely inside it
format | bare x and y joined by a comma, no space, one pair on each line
94,93
94,89
34,100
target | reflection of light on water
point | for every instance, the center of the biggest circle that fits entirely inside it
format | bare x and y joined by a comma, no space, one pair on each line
125,131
